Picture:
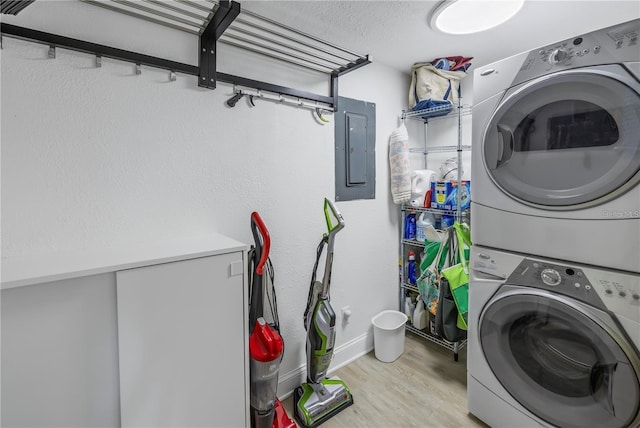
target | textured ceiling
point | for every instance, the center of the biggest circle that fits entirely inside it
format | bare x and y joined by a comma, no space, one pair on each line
397,33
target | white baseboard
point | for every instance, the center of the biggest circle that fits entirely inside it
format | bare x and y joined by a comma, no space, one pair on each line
342,355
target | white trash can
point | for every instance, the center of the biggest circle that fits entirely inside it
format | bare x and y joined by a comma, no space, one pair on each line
388,335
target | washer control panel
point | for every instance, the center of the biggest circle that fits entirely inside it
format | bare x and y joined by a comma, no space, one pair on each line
617,44
619,292
615,291
567,280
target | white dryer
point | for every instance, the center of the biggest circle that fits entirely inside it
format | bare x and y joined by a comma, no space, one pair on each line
551,343
556,150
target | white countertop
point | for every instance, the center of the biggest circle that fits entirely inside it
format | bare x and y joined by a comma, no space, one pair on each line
38,268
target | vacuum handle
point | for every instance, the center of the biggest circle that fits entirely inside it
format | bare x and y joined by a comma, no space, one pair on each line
263,240
330,206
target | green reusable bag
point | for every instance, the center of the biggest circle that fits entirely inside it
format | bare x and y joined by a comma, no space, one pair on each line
458,275
459,284
431,249
429,280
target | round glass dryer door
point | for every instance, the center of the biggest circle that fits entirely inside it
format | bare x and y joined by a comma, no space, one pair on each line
553,356
567,140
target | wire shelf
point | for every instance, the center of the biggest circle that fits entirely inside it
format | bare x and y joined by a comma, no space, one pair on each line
249,31
455,346
407,208
439,112
410,287
441,149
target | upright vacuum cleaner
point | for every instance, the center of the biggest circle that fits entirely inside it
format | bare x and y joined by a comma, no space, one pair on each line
320,397
265,343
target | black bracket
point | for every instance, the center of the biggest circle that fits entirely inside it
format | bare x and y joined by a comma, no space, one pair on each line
225,14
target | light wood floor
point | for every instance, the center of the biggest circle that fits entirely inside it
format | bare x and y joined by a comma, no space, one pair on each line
425,387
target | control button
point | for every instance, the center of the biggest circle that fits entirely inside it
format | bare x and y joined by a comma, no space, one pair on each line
536,265
570,271
635,296
587,287
619,43
622,293
577,41
557,56
596,49
608,291
585,51
541,52
577,285
551,277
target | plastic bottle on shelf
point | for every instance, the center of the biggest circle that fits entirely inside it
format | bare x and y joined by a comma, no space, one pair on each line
409,307
411,268
420,316
425,219
410,227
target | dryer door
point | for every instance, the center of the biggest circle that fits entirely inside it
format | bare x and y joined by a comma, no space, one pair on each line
567,140
561,359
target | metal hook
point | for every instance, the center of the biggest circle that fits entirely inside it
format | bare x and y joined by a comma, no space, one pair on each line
138,69
52,52
98,61
172,76
322,119
231,102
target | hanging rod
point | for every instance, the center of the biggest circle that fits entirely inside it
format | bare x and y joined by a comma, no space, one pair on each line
279,98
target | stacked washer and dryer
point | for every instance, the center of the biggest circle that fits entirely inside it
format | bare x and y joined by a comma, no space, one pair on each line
554,317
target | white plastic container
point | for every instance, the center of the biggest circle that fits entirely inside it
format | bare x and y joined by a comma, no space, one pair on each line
425,220
388,335
420,317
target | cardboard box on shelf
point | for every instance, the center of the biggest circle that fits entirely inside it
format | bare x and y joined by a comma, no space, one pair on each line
444,194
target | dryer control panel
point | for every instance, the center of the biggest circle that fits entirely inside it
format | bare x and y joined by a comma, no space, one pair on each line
616,44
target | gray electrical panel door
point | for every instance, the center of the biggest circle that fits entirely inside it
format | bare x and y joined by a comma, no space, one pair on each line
355,164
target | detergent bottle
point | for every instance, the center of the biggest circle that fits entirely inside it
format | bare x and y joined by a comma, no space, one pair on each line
411,268
426,219
410,226
420,183
420,317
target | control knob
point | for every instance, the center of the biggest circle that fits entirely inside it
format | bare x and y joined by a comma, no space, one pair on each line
557,56
551,277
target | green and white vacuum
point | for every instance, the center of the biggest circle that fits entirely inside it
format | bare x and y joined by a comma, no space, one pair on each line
320,397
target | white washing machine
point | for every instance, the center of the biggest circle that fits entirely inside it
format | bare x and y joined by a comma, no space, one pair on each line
551,343
556,150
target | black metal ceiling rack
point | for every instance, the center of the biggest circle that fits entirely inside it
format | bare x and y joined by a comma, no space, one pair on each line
217,22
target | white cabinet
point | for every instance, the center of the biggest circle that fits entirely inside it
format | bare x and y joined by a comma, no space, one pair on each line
149,334
182,340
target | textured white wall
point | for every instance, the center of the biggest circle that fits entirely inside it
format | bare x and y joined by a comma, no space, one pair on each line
99,156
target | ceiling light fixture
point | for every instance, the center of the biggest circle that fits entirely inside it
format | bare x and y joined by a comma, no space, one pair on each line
472,16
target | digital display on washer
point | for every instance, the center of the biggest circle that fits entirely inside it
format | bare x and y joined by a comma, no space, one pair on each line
566,124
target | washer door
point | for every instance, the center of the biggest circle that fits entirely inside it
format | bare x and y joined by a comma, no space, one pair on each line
567,140
560,360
